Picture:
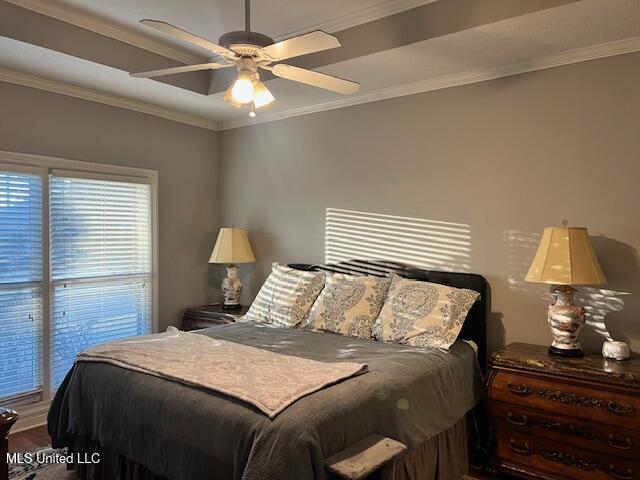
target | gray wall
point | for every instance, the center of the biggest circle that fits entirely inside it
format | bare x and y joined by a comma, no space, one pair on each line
34,121
505,157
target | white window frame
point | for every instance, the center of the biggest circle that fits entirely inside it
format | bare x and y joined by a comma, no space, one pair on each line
34,414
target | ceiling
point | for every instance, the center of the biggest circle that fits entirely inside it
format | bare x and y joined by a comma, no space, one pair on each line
212,18
392,48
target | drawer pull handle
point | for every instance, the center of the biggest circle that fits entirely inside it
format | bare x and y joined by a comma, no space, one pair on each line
613,471
569,398
622,445
618,409
520,420
549,425
518,389
523,450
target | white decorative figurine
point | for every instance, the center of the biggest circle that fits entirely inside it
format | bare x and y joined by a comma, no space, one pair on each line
615,350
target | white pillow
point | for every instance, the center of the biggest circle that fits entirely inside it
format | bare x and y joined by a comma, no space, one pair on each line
423,314
286,296
348,305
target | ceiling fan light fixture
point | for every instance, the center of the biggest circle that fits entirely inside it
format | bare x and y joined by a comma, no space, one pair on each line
229,98
262,96
242,90
250,51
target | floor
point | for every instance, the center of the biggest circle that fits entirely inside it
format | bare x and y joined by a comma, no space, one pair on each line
35,439
29,440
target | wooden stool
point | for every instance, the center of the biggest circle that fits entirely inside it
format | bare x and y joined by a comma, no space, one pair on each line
364,457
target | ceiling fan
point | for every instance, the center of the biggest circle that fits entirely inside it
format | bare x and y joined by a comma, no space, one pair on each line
248,51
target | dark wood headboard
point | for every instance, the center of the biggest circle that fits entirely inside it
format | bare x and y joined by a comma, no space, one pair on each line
475,326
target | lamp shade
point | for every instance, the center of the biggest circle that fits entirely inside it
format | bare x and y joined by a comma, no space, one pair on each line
232,246
565,257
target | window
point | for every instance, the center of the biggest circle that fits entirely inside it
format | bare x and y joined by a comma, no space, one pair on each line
20,284
85,278
100,250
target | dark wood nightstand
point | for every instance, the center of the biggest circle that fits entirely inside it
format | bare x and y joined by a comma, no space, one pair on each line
7,419
564,418
205,316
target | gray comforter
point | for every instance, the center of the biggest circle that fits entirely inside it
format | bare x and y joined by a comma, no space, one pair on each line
181,432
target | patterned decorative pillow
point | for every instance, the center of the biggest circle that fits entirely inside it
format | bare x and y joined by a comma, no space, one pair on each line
348,305
423,314
286,296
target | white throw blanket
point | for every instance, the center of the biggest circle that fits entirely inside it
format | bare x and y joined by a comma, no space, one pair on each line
270,381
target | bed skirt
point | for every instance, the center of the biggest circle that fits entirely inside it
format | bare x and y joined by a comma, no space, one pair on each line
443,457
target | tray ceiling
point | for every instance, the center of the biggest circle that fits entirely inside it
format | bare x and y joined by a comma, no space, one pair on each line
446,51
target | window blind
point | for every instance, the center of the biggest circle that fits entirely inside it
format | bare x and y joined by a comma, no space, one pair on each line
100,256
20,284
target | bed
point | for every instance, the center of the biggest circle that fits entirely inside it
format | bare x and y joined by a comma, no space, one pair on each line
151,428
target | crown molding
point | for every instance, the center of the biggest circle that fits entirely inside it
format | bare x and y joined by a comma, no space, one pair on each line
27,80
85,20
369,14
618,47
594,52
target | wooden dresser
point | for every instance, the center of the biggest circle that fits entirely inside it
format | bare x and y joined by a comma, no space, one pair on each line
564,418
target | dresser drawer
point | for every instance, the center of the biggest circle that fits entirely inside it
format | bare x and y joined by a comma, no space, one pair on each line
593,436
543,458
592,404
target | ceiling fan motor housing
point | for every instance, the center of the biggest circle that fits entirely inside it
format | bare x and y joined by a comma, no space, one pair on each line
244,42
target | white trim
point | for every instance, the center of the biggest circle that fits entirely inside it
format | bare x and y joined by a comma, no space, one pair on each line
19,168
27,80
59,172
94,23
380,10
31,416
155,257
43,161
618,47
46,290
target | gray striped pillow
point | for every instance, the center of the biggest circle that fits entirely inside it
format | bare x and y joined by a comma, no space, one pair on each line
286,296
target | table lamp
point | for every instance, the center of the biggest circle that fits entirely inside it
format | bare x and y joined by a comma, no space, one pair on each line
232,247
565,257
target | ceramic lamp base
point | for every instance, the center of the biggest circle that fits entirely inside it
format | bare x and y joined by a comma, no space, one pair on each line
565,320
231,289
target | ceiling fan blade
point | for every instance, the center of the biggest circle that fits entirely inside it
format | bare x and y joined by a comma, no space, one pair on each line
188,37
316,79
183,69
311,42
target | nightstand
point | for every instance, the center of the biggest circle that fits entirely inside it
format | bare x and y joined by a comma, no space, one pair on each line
7,419
205,316
564,418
